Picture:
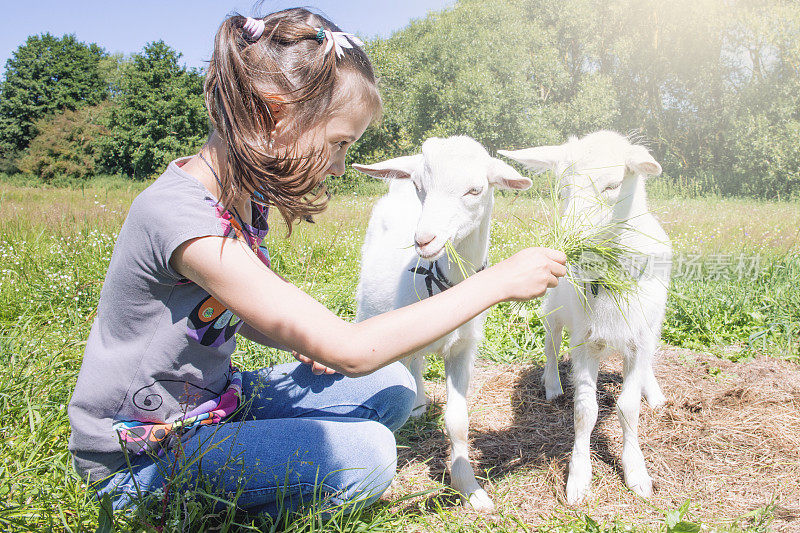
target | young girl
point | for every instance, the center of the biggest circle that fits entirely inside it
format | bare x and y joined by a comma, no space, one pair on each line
287,95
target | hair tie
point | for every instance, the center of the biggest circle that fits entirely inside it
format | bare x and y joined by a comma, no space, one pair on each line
337,40
254,27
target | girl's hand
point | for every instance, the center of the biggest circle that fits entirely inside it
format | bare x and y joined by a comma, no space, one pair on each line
316,368
530,272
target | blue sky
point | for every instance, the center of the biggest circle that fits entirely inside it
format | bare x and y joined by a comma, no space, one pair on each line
186,25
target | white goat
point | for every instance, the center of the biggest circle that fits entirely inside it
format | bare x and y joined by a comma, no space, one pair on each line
602,181
454,179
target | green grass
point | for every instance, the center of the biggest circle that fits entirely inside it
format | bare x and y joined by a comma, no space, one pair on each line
55,245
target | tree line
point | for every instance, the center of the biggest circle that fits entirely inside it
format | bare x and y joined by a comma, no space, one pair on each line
69,110
712,86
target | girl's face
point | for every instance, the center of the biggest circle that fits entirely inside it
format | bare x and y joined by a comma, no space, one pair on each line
338,133
341,131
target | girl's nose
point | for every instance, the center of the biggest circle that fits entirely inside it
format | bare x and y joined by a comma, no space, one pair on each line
336,169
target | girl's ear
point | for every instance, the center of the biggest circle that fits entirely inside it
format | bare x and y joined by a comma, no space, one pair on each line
397,168
276,109
275,103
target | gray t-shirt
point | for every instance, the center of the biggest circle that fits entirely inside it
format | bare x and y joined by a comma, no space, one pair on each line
160,345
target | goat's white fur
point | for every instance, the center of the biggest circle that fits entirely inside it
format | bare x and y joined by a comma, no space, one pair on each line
602,179
442,194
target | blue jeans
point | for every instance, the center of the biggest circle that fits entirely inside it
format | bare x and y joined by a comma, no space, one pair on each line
299,439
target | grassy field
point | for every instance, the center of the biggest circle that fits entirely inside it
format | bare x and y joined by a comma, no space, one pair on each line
735,296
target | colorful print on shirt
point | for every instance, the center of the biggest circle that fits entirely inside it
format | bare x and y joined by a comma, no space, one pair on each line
210,323
139,437
252,237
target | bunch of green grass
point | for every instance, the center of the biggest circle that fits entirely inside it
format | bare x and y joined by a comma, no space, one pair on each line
594,253
594,257
464,266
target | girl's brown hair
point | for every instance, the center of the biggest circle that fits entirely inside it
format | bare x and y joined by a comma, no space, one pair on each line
286,67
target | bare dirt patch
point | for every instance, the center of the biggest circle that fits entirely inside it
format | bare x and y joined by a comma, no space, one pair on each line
728,439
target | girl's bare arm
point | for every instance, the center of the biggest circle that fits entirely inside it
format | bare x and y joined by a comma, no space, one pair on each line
231,273
249,332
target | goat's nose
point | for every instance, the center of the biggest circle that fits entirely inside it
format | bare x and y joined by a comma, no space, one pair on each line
424,239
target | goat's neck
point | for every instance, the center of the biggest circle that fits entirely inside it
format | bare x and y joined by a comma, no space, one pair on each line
473,249
632,203
626,213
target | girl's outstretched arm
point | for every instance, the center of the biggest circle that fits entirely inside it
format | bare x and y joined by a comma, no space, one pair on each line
230,272
249,332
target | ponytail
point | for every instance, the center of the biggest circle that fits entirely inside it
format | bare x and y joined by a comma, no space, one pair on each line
249,76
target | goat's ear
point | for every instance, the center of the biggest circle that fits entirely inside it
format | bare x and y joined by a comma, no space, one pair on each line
639,161
538,159
503,176
397,168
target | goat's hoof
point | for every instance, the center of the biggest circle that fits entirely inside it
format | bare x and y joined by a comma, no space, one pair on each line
641,483
480,501
656,400
552,394
577,491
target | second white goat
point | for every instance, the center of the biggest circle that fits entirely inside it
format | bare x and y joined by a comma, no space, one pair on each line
602,182
444,194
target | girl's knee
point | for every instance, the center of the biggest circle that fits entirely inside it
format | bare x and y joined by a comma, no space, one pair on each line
376,466
396,395
399,375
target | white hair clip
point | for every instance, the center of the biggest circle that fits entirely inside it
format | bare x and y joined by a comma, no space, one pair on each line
254,27
337,40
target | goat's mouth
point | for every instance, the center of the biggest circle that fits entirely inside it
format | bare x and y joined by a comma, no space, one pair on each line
429,254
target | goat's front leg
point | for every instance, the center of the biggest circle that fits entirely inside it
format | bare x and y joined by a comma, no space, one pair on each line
584,376
416,365
636,373
458,368
652,391
552,345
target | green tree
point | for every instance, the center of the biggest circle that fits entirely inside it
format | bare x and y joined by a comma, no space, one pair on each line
66,148
45,75
763,133
494,72
158,113
711,85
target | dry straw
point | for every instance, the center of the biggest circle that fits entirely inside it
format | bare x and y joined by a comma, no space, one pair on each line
728,439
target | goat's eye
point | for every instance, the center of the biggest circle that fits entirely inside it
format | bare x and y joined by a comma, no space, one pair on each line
612,187
475,191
